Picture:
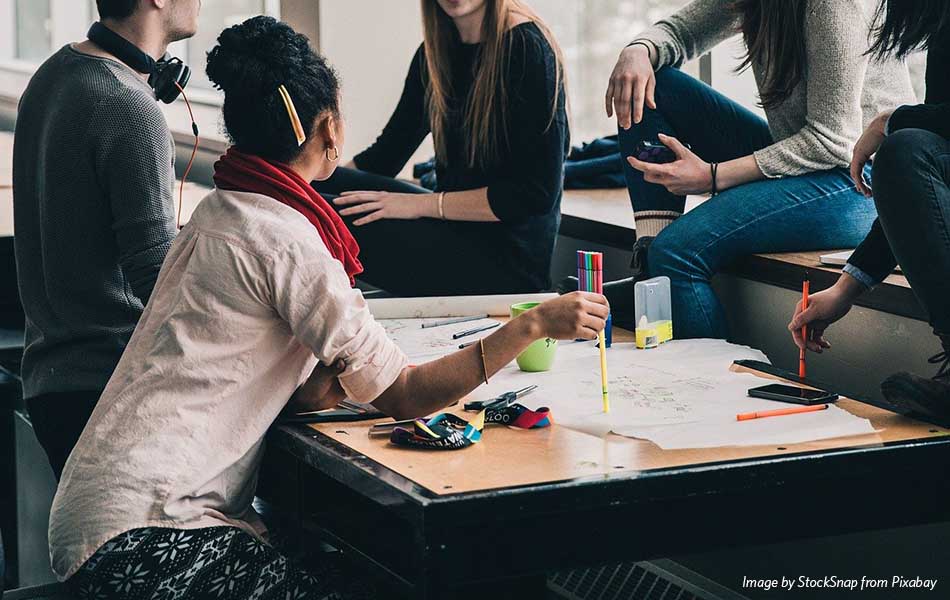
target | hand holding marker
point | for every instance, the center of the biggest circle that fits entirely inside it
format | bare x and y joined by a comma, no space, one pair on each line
590,275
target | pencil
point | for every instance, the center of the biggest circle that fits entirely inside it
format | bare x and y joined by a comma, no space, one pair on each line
781,412
453,321
462,334
801,352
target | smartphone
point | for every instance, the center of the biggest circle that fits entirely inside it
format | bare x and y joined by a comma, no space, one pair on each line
790,393
654,152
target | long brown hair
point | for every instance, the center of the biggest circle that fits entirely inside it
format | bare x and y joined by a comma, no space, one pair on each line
774,33
486,108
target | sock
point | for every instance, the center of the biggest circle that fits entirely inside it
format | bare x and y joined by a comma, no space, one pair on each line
650,223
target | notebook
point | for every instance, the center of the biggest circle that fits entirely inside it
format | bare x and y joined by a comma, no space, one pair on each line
839,259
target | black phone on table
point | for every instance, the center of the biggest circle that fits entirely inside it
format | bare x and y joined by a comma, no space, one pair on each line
792,394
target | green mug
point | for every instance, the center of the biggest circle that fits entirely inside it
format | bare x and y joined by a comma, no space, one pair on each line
539,356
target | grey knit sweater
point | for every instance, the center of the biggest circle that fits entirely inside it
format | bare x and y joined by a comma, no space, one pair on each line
93,215
816,127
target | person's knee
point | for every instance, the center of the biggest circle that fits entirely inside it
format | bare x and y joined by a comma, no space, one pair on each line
905,158
671,77
669,83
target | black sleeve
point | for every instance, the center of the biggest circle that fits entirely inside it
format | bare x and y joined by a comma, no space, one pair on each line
874,256
406,129
530,179
932,117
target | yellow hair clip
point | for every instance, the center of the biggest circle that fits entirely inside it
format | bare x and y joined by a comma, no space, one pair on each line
292,113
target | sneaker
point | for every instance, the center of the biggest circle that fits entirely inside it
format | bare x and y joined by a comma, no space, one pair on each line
929,398
639,261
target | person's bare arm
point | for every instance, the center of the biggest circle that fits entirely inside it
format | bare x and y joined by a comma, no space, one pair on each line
468,205
321,391
422,390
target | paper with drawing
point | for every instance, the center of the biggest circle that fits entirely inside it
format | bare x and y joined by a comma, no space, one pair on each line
680,395
423,345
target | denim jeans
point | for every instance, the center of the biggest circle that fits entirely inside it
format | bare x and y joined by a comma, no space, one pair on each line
815,211
912,194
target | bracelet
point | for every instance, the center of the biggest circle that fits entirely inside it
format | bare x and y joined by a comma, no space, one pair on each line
713,168
441,206
481,346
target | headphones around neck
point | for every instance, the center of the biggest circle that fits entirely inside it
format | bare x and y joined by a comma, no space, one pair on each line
165,76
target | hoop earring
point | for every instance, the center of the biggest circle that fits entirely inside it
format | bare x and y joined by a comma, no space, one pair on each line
336,154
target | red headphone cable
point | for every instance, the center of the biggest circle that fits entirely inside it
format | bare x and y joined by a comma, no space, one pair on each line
194,152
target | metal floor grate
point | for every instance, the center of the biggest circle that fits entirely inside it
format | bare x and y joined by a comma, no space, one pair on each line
651,580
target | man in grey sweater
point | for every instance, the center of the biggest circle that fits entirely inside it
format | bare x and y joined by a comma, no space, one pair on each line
93,178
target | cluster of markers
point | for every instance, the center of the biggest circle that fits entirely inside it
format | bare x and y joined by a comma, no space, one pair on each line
590,277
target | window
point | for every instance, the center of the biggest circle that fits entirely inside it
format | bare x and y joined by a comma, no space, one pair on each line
33,30
217,15
591,35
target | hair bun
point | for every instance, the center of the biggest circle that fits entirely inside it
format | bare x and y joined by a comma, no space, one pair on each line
255,55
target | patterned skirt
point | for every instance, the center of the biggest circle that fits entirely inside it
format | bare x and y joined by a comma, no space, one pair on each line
216,562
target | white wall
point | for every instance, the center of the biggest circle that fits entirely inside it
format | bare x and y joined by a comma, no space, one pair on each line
739,87
371,44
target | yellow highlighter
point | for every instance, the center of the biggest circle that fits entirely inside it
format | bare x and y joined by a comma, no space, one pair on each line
603,370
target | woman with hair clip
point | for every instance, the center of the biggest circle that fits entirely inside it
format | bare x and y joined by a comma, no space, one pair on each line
488,84
911,188
777,184
253,313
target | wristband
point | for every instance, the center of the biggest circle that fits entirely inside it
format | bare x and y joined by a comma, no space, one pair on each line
444,431
441,205
713,168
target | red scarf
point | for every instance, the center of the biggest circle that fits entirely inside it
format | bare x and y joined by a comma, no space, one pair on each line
240,172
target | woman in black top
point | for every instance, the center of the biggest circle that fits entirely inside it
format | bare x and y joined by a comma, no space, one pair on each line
488,84
911,188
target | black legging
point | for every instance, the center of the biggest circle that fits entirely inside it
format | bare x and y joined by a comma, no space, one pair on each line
423,257
911,182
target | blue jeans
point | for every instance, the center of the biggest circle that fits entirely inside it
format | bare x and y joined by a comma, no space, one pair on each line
815,211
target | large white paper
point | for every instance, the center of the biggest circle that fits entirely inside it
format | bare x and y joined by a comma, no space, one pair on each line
680,395
726,431
449,306
423,345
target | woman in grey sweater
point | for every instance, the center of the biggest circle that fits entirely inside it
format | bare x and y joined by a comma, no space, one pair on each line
779,185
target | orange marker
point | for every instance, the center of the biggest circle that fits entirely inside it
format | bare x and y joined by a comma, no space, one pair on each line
801,353
781,412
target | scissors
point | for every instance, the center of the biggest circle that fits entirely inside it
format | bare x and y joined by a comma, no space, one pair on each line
503,401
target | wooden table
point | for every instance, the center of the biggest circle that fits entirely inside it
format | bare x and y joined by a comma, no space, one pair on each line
522,503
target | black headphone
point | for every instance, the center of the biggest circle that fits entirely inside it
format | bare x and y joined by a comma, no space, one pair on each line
163,75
